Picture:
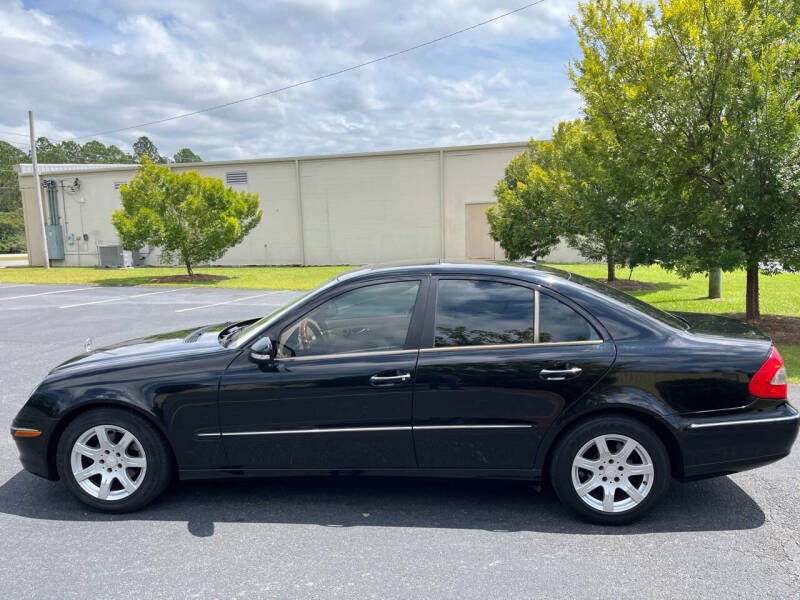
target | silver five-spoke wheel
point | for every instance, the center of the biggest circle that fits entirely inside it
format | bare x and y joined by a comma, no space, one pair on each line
612,473
108,462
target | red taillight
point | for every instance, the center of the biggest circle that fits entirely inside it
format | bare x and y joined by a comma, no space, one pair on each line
770,380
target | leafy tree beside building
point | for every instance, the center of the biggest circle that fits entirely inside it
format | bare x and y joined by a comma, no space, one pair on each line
192,219
579,186
706,95
525,220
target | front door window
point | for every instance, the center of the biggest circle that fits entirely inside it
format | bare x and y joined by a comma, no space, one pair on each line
374,318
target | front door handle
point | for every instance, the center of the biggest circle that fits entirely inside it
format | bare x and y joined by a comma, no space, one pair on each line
385,380
560,374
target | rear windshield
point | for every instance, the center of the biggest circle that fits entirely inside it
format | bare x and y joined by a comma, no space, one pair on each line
632,301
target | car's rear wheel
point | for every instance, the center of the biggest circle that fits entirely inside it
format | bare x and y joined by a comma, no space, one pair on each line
611,470
113,460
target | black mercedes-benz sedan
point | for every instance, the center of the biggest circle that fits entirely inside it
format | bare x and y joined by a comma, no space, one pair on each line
444,370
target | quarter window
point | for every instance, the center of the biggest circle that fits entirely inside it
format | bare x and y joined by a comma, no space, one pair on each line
559,323
368,319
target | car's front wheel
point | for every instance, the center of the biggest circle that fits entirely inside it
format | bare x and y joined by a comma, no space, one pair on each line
611,470
113,460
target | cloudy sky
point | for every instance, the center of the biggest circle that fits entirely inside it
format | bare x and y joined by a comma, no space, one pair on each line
96,65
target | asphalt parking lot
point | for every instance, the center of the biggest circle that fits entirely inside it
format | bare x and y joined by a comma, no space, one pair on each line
735,536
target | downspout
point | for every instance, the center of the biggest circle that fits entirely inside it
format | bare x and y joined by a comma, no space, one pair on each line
65,234
300,210
441,205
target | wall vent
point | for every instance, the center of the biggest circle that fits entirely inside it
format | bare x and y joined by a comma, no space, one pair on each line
235,177
117,184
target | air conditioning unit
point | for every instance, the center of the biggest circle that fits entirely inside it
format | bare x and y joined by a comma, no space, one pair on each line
114,257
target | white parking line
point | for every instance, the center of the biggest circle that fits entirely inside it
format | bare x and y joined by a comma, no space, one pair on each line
227,302
48,293
117,299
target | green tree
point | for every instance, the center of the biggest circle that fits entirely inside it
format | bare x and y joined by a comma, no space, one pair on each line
705,94
12,226
68,151
525,221
12,232
193,219
93,152
605,218
114,155
185,155
145,147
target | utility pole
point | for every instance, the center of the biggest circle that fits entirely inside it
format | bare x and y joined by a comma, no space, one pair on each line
38,191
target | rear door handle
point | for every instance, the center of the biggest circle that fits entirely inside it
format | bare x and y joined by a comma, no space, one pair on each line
385,380
560,374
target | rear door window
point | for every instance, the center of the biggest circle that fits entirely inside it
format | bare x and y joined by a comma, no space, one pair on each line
480,313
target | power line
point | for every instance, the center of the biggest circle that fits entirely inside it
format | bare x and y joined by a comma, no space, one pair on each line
15,134
312,80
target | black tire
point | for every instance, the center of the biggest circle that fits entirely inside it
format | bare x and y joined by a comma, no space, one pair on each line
580,435
157,475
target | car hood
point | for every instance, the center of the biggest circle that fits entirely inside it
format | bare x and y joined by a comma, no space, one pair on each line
721,326
172,344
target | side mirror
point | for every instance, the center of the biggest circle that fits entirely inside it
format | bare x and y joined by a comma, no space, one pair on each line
262,350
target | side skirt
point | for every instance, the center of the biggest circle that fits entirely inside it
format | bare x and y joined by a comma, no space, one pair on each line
533,475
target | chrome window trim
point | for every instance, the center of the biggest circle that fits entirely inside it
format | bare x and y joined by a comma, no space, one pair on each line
346,355
535,316
511,346
743,422
360,429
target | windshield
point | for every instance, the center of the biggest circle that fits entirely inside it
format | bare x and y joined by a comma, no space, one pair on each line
243,335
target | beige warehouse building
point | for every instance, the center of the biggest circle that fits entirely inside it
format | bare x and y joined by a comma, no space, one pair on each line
318,210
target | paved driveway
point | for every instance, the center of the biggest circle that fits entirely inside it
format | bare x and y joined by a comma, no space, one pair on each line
736,536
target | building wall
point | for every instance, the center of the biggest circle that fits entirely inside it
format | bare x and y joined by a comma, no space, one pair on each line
345,209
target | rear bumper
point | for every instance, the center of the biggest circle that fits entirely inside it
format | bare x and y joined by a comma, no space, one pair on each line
723,445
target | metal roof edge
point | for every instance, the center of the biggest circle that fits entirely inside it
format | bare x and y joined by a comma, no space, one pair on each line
254,161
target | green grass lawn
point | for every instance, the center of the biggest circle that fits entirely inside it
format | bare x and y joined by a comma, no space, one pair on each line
791,356
11,257
780,294
278,278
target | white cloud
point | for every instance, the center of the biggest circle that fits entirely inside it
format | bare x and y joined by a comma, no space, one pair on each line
103,64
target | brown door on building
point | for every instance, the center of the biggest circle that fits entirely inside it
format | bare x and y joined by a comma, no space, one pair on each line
479,244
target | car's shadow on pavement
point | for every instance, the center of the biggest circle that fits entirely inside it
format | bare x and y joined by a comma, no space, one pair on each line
711,505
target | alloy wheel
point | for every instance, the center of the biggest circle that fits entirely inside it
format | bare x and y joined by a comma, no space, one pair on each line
108,462
612,473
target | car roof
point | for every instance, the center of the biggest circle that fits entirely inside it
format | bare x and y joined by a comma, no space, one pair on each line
526,271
